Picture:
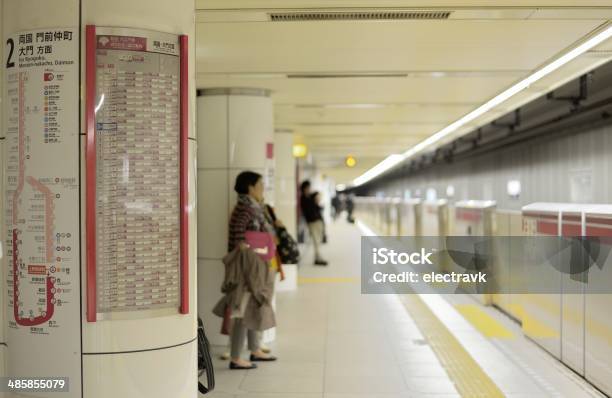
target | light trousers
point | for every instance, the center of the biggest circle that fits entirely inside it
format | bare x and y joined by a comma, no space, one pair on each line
316,230
239,334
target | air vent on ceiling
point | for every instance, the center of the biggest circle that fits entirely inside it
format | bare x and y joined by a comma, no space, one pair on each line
344,75
358,16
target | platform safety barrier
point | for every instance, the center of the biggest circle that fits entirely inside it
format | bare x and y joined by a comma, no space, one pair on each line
575,327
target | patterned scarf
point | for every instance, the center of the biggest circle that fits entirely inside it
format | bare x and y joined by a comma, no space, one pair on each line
250,213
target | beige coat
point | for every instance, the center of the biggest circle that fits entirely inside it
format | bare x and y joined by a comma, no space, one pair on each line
246,272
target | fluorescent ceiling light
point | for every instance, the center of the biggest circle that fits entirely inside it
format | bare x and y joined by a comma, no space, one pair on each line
595,40
389,162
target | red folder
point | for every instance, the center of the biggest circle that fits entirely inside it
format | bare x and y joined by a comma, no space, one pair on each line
261,243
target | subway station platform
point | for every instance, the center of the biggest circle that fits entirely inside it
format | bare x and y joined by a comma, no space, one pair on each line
334,342
141,140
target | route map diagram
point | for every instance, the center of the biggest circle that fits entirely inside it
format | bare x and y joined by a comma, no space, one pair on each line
41,83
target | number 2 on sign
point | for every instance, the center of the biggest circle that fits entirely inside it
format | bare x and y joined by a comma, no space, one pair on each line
11,44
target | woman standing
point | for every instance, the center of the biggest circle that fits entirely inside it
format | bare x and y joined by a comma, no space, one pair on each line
248,215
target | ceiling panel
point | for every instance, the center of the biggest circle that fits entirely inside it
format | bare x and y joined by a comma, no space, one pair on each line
361,144
411,78
363,129
460,90
386,114
347,46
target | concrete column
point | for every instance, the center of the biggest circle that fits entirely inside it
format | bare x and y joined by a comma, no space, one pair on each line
285,197
136,353
235,130
2,229
164,370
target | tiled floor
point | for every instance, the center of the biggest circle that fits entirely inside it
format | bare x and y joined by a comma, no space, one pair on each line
334,342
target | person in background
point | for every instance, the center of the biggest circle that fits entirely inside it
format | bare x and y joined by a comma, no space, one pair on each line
350,206
311,210
248,215
337,206
316,197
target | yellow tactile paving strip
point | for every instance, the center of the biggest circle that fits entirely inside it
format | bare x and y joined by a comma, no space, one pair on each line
469,378
483,322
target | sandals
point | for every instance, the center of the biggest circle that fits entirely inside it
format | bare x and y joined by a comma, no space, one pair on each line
235,366
253,358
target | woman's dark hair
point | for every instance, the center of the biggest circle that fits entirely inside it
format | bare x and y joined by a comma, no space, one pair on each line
305,185
245,180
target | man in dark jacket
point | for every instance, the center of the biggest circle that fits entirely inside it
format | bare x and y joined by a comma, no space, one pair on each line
309,204
350,206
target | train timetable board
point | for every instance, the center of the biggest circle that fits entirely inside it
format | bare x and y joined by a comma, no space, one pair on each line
137,180
41,83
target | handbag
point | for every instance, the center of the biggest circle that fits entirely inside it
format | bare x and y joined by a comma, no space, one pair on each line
261,243
288,249
286,246
205,364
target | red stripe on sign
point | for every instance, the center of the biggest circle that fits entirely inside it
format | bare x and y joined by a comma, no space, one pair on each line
269,150
184,173
90,170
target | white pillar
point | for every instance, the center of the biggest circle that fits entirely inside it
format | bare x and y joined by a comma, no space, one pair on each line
127,354
235,130
3,275
285,186
285,203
